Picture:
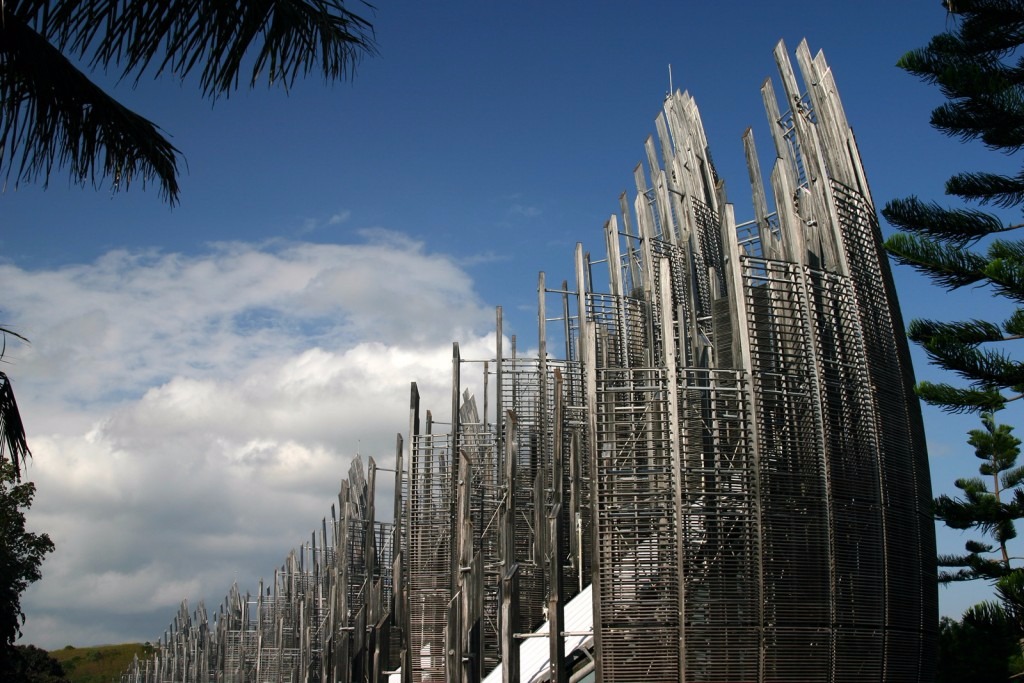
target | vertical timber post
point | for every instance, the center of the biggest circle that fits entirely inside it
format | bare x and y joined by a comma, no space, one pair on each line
372,599
556,549
470,663
414,432
344,636
509,616
575,514
541,450
499,412
453,644
672,389
399,607
589,366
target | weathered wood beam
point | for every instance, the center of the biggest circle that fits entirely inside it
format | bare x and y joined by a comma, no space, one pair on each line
509,614
556,547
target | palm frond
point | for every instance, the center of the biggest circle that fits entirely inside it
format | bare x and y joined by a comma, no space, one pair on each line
272,40
52,115
13,443
986,615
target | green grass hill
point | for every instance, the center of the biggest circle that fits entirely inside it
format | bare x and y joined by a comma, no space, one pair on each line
101,664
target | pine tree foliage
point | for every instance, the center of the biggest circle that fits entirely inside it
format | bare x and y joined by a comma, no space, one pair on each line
979,70
52,115
990,504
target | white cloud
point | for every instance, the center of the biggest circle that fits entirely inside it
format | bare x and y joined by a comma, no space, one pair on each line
311,224
340,217
525,210
191,417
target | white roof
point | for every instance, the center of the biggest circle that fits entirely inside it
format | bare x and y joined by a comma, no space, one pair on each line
534,652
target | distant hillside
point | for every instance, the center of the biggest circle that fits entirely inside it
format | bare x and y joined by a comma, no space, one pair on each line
101,664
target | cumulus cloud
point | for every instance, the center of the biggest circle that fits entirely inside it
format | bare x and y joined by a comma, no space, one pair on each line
191,416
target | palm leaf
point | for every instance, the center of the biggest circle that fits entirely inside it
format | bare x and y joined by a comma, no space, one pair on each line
53,115
278,40
13,444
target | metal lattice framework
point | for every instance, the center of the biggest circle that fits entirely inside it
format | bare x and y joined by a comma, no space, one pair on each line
725,446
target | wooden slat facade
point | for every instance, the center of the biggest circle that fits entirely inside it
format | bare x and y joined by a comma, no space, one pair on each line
724,445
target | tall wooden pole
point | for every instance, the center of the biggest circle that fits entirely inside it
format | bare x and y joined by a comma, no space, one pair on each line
453,636
406,624
509,616
556,550
589,365
470,665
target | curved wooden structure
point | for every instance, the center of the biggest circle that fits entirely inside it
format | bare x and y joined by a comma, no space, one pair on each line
728,452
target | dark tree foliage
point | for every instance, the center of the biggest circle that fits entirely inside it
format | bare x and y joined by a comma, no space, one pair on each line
53,115
979,71
990,504
30,664
13,445
981,648
21,553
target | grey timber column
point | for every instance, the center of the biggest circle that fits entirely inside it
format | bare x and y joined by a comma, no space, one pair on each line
370,559
453,633
470,651
397,638
509,615
499,405
556,549
413,479
588,365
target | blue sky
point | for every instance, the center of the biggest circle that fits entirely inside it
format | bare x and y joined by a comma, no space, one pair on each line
199,376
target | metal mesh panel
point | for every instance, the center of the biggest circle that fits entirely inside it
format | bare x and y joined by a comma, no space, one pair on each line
382,567
792,473
637,574
719,528
576,465
709,234
353,557
532,400
623,330
522,388
430,548
682,302
575,480
477,441
904,469
851,443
